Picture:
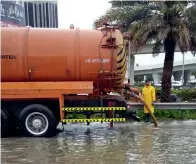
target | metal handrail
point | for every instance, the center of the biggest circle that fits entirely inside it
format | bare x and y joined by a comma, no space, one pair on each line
167,106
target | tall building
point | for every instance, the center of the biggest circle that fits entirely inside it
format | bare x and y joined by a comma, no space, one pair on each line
12,13
17,13
41,13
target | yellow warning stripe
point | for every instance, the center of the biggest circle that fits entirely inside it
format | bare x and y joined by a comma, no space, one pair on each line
121,65
96,120
92,108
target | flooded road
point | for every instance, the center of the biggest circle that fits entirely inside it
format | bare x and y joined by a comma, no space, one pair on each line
131,143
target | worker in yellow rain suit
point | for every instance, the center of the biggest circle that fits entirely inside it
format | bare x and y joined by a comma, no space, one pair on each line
148,94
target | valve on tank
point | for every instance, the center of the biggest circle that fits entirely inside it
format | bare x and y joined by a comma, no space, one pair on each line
71,26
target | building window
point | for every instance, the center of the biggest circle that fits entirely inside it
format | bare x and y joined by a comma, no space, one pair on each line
41,14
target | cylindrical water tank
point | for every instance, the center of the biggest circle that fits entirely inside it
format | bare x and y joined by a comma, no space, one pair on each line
49,54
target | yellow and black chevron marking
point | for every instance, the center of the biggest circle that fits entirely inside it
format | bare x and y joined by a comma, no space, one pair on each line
95,120
121,65
92,108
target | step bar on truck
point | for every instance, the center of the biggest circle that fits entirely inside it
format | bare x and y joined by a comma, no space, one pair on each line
93,108
95,120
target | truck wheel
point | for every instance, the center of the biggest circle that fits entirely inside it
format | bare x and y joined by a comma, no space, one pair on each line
4,124
37,120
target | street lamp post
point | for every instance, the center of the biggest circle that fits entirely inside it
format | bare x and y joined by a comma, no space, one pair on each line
183,69
129,59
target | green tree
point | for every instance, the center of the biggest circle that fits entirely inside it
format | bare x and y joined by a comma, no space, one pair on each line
167,23
194,74
139,78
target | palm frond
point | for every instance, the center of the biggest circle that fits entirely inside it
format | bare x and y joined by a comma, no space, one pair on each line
193,45
157,48
121,3
161,35
147,20
191,18
163,32
182,36
144,30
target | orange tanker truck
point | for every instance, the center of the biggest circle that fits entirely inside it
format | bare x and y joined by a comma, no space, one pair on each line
47,74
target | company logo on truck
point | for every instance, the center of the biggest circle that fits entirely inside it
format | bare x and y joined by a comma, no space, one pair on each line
8,56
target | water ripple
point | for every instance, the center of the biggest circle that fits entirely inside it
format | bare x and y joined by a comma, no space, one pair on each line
134,143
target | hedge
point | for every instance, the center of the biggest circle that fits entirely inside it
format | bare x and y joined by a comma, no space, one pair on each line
188,94
170,114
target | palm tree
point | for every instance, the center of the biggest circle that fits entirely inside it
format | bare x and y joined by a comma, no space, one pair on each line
168,23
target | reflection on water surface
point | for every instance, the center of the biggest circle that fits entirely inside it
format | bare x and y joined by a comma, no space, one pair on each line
137,143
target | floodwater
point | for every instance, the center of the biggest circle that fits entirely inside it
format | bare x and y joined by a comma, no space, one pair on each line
127,143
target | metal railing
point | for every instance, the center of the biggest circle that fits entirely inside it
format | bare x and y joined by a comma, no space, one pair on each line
167,106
